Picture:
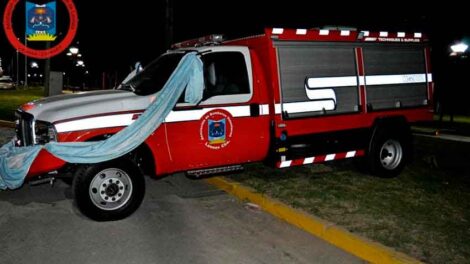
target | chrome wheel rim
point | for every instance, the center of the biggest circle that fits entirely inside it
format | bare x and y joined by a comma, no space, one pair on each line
110,189
391,154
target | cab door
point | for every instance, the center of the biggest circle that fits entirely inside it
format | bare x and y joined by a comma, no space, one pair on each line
227,127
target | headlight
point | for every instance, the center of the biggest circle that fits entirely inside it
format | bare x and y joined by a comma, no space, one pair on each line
44,132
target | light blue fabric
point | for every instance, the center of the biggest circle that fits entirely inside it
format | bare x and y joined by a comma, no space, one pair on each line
15,162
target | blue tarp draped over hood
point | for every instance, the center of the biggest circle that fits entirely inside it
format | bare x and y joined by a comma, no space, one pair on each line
15,162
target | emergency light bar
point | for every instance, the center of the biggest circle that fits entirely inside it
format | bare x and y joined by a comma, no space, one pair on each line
333,33
214,39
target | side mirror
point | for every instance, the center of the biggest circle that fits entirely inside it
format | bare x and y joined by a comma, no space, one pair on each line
138,67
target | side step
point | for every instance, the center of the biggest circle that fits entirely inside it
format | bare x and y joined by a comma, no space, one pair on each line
43,179
37,182
212,171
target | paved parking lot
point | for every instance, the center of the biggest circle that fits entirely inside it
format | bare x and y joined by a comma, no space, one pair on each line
180,221
6,134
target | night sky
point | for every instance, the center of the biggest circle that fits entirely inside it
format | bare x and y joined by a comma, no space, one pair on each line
113,35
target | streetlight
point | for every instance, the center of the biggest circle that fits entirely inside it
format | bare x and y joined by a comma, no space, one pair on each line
80,63
34,66
456,73
458,49
17,68
73,51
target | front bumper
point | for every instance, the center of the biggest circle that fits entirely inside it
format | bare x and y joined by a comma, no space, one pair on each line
44,162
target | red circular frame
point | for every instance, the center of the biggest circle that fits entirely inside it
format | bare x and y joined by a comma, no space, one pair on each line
40,54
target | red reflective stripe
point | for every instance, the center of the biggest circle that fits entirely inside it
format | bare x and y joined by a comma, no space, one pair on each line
320,158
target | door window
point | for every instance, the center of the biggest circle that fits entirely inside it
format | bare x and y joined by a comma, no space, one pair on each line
225,78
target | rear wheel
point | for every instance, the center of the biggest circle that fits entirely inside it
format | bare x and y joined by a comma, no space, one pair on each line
391,154
110,190
389,151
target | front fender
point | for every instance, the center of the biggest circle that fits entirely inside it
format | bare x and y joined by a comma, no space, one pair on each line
45,162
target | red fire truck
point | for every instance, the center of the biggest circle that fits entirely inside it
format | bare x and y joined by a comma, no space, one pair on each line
287,97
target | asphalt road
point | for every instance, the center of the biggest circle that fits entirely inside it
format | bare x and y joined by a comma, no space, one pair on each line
6,134
180,221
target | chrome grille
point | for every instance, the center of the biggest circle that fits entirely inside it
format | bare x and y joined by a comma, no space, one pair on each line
24,130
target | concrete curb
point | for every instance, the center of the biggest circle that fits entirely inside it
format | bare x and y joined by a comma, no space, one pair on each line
9,124
370,251
447,137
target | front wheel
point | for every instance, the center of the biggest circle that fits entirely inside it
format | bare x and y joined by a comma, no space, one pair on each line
110,190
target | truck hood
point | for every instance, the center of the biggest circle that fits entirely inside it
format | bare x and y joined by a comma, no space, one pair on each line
61,107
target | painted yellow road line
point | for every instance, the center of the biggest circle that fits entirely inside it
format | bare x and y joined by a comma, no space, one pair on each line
363,248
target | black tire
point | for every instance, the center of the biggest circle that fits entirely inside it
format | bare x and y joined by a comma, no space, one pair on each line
389,151
108,191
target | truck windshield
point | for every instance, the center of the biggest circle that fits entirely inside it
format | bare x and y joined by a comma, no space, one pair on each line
154,76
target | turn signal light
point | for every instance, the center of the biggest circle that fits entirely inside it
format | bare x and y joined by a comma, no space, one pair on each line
28,106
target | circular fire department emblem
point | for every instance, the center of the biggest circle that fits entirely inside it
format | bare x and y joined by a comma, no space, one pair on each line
216,129
40,54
